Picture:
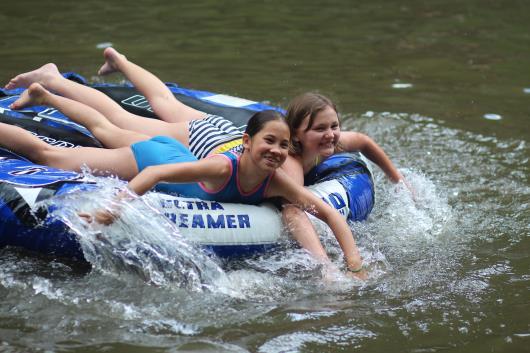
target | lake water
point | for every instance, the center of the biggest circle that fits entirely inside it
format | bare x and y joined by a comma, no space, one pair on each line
443,86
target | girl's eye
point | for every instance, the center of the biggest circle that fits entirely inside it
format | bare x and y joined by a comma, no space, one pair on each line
284,145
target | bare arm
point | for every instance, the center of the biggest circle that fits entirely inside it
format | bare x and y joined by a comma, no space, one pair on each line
213,170
283,186
210,170
303,231
294,169
356,141
296,220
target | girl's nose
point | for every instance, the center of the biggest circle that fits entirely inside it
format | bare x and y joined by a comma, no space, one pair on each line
328,133
276,150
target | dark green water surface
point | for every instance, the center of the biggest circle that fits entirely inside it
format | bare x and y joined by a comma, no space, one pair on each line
423,78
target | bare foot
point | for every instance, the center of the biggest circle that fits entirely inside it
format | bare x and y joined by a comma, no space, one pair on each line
39,75
34,95
111,61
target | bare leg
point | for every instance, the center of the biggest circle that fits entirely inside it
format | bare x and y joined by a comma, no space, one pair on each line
110,135
50,77
163,102
119,162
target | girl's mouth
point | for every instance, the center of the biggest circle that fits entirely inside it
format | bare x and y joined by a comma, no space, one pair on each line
272,160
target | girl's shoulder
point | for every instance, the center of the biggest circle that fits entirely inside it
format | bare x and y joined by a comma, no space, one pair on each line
293,166
220,163
283,184
351,141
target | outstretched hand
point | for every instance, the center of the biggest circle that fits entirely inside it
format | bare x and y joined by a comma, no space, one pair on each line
330,273
108,215
410,188
101,216
362,274
407,185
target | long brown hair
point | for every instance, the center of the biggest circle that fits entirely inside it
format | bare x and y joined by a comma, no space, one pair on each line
305,105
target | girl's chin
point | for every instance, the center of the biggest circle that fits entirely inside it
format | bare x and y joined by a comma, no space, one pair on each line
271,166
326,153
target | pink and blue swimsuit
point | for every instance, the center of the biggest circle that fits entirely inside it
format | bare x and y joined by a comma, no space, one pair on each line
167,150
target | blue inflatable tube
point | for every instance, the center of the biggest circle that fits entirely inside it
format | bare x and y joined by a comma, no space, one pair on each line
343,181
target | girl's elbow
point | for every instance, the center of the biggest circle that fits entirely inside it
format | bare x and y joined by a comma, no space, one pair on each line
328,214
368,144
154,175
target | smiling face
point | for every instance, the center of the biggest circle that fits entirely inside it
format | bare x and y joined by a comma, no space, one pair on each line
315,127
268,148
318,138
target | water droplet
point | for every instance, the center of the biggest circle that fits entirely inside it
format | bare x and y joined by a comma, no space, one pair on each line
104,45
369,114
492,116
463,330
401,85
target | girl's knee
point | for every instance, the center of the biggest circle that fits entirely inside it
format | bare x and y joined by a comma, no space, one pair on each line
52,156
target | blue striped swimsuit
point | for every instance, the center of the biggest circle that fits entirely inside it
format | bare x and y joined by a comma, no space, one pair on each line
213,134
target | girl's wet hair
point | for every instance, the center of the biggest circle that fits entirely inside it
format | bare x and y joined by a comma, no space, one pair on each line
305,105
260,119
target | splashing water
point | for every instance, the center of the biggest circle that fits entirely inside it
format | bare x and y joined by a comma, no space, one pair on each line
140,242
143,243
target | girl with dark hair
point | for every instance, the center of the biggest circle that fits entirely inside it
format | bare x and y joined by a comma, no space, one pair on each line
167,165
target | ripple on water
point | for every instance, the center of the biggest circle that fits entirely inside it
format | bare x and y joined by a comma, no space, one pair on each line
472,190
492,116
402,85
341,336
